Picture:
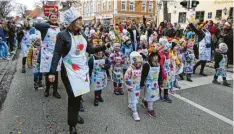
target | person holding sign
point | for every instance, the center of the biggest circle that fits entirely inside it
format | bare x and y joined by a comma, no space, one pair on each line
72,47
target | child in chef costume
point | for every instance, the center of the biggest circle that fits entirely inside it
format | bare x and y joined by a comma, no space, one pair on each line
132,79
98,64
117,60
150,80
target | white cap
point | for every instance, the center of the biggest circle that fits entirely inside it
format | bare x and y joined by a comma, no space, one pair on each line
70,15
223,47
135,57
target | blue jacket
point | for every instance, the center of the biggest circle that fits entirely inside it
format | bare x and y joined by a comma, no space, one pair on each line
124,47
2,35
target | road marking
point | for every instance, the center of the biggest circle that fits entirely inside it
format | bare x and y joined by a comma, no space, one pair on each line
204,109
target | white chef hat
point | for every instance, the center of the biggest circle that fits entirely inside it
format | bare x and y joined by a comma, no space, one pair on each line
135,57
223,47
71,15
116,45
34,38
143,38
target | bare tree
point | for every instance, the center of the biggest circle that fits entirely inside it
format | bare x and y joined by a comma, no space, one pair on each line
21,9
5,8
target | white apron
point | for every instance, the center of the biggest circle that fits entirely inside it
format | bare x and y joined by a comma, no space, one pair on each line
222,70
127,53
47,50
152,87
134,95
76,66
205,53
167,68
117,71
99,77
25,44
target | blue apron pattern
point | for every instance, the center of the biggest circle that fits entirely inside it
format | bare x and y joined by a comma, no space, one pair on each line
222,70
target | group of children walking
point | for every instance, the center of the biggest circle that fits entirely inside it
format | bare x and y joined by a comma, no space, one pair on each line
152,69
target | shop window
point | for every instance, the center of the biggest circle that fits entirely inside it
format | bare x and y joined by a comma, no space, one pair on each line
200,15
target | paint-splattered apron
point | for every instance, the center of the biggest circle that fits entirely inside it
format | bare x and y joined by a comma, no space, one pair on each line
151,84
188,63
133,96
47,51
117,71
25,44
127,52
222,70
99,77
167,68
204,52
76,66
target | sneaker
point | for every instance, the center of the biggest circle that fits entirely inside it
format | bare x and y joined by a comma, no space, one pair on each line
95,102
215,82
121,91
167,99
116,92
100,99
151,113
80,120
81,107
136,116
144,103
225,83
23,70
6,58
176,85
181,76
129,106
203,74
35,86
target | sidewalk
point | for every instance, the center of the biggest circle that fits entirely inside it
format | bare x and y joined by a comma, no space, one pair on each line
211,65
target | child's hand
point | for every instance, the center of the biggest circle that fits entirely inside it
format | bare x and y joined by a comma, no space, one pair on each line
101,65
129,89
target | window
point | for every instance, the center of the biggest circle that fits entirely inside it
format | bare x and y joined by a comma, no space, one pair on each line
209,15
132,5
150,6
143,6
218,14
104,6
109,5
123,5
182,17
200,15
231,12
98,9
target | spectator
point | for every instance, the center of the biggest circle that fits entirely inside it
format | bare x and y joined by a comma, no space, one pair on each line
169,31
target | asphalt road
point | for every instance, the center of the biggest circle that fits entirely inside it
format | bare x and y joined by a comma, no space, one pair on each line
27,111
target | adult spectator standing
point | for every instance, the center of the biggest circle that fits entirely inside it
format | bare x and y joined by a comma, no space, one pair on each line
204,39
11,40
169,31
227,37
134,35
49,32
72,47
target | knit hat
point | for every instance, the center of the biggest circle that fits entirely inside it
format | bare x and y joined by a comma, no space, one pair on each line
71,15
223,47
34,38
135,57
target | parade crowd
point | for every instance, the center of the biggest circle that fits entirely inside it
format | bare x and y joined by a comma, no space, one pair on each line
142,58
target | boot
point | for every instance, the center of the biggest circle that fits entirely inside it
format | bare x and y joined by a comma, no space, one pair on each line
47,92
23,69
176,85
40,84
225,83
35,85
166,97
121,91
189,79
55,93
80,120
160,94
72,129
181,76
215,82
116,91
100,99
95,102
202,74
203,64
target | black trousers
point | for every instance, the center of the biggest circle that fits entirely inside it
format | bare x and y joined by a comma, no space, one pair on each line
73,102
98,93
24,61
202,63
48,83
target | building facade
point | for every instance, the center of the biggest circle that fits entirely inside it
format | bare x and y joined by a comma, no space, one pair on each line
215,10
114,11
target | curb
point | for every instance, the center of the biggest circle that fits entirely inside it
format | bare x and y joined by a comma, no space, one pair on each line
7,65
